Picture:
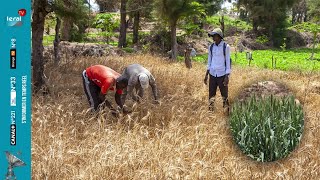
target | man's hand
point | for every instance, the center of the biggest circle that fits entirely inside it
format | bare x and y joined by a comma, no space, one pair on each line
156,101
205,80
115,113
125,110
136,98
226,80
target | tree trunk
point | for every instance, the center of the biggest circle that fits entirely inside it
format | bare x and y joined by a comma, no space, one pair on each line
271,35
66,28
314,45
299,18
187,59
174,45
38,19
123,30
136,27
305,19
57,42
255,25
293,16
221,21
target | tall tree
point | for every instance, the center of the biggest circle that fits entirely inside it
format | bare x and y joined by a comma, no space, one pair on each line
314,10
138,9
67,21
123,25
299,11
72,12
56,42
136,24
268,14
40,9
173,10
108,5
211,7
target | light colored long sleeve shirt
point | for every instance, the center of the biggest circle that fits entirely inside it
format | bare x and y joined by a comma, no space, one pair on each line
217,64
132,74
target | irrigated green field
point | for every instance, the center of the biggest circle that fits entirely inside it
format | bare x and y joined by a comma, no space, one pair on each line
295,59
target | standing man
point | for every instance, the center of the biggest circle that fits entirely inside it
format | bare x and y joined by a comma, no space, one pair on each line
219,68
97,81
139,78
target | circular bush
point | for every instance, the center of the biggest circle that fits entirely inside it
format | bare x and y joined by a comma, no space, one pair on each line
268,128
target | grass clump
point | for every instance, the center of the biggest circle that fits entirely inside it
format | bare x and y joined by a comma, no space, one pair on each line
267,129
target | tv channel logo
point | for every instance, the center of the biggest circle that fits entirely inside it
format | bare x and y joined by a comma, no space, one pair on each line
16,20
13,129
13,92
13,54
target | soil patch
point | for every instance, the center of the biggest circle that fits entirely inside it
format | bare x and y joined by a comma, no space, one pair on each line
263,89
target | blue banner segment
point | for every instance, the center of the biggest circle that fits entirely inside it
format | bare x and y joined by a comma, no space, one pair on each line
15,91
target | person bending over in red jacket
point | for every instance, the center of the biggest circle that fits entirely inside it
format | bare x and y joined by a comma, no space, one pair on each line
97,81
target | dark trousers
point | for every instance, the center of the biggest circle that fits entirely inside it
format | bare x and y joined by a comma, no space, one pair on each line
214,83
92,92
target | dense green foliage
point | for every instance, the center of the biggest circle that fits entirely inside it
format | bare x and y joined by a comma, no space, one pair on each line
171,11
288,60
314,10
267,129
108,6
107,22
270,15
228,21
77,13
211,7
191,17
144,7
48,40
296,59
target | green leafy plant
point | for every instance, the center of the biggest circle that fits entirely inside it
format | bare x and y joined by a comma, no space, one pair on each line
286,59
267,129
107,22
290,59
128,50
171,12
189,27
284,44
50,23
76,35
262,39
228,21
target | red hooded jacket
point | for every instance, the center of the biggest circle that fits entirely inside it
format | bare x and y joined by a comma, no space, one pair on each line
104,77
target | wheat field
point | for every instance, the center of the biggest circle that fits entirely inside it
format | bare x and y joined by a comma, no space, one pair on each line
178,139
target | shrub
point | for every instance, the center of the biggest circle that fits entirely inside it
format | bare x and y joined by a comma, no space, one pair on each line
76,35
107,22
128,50
229,22
262,39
